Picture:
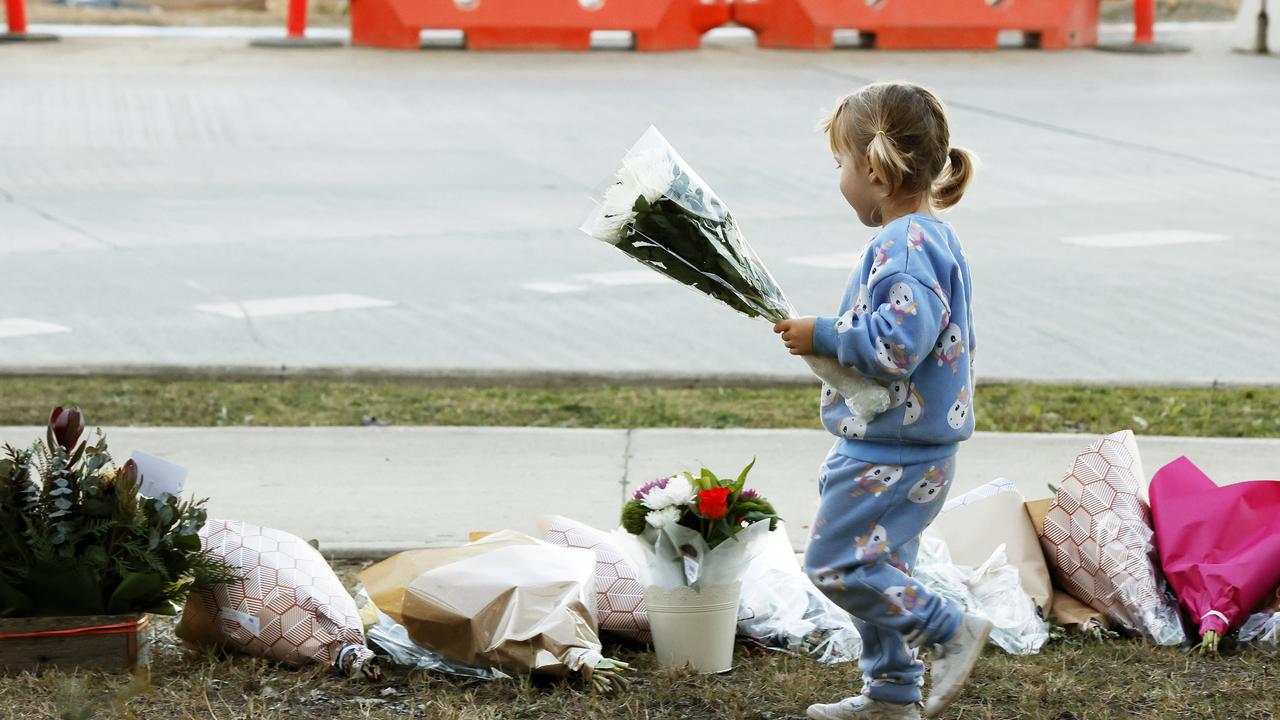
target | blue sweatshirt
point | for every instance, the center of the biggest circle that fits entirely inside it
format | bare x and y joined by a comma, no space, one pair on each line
906,322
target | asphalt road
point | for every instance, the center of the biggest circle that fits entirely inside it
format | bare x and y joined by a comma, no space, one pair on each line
195,202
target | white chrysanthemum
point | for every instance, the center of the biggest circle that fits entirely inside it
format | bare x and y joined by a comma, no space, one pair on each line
648,174
677,492
663,518
652,172
610,227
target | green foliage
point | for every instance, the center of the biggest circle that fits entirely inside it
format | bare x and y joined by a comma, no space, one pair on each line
633,514
83,541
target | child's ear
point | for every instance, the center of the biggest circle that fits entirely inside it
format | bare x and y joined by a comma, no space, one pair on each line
872,175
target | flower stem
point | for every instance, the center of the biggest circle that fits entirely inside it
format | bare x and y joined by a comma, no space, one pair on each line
1209,643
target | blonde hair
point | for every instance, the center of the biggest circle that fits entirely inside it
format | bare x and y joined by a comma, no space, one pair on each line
901,129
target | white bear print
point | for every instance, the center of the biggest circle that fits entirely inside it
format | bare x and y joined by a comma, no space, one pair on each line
853,428
959,412
829,578
902,599
928,489
877,478
873,544
898,391
829,395
902,300
892,357
845,321
950,346
915,408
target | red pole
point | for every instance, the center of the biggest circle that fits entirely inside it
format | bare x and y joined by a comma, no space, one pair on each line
16,11
1144,22
296,23
295,31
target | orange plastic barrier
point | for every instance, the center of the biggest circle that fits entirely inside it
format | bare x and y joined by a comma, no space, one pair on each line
536,24
921,24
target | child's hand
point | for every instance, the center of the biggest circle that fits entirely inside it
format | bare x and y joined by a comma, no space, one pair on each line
797,334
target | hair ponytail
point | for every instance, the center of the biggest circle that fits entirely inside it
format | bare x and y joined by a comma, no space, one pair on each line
887,161
955,177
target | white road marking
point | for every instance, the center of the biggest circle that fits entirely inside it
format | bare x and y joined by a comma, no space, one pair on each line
268,307
22,327
839,261
1148,238
626,277
554,288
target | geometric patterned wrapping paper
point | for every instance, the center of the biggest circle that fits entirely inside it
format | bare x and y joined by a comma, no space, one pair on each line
620,606
1097,538
289,607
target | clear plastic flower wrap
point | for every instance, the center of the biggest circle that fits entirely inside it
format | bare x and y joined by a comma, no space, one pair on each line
664,216
782,608
1262,629
992,590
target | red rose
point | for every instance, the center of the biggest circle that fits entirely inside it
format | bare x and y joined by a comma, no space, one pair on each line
713,504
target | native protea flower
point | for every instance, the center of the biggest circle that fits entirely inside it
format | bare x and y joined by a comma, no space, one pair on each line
65,428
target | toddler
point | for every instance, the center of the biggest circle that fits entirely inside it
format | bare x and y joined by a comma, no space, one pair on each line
906,322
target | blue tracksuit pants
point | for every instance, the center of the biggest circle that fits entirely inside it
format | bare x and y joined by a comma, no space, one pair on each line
864,545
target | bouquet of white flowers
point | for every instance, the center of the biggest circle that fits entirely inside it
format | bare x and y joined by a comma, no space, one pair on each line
662,214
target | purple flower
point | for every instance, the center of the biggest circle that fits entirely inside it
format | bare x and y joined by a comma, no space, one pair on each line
644,490
749,495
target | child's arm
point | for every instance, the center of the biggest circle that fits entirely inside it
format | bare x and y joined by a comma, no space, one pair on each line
898,331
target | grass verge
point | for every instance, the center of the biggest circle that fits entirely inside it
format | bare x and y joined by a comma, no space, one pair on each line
1073,679
1202,412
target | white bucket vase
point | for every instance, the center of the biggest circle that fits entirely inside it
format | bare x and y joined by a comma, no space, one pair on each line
692,628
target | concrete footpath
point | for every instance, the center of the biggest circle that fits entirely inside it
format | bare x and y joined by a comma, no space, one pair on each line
370,491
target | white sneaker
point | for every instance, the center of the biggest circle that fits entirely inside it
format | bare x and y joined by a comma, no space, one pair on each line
864,708
954,660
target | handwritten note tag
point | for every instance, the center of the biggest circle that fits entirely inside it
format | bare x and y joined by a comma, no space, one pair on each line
159,477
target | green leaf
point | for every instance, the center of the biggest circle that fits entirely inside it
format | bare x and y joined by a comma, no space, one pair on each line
741,482
96,555
707,480
137,590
